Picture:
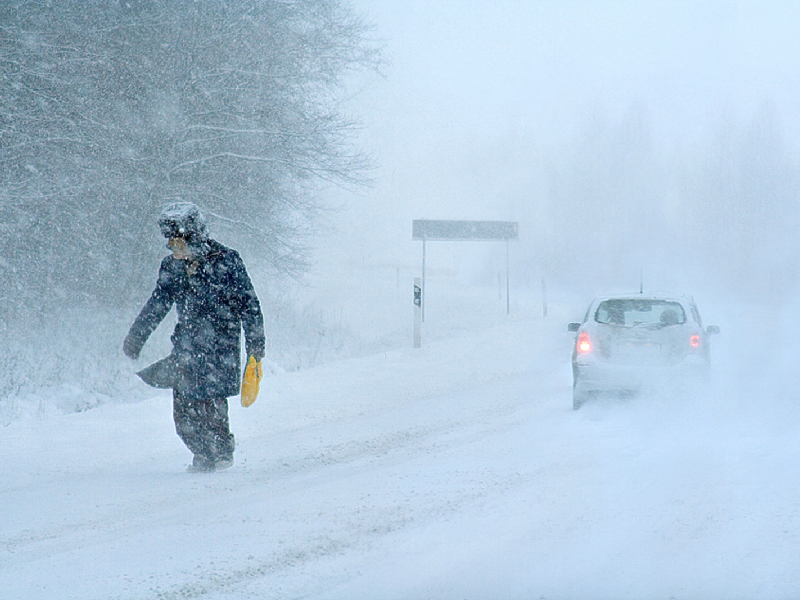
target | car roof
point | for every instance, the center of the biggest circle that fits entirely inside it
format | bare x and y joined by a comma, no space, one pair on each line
680,298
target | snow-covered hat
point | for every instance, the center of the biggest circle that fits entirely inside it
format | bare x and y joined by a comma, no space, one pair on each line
183,219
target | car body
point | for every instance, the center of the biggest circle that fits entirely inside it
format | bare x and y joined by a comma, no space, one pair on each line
631,342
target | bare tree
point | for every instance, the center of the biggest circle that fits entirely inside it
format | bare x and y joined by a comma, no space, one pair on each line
109,110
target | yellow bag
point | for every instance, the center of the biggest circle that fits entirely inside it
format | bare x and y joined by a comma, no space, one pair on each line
250,381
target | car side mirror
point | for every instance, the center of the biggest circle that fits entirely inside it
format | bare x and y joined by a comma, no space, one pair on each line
712,329
573,327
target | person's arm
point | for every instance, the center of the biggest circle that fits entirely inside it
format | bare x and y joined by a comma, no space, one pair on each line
249,311
152,313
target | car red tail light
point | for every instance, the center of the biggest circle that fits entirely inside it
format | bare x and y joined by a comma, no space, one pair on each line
584,343
694,341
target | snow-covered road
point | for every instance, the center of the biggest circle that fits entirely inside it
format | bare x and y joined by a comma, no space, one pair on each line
454,471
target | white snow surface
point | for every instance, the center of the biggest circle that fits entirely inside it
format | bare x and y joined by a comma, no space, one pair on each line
458,470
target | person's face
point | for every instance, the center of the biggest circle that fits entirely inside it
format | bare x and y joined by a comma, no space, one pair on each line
180,249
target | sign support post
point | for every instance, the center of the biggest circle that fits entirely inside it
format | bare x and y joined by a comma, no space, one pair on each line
417,313
422,301
508,285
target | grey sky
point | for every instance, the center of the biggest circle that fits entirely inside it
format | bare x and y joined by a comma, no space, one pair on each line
482,66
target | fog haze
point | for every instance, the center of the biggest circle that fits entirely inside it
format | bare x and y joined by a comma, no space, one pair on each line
628,139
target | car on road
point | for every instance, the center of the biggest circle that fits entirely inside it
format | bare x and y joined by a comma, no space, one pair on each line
630,343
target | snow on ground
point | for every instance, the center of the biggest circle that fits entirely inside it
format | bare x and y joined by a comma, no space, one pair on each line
458,470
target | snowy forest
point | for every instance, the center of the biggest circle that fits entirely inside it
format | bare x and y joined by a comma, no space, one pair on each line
715,212
109,113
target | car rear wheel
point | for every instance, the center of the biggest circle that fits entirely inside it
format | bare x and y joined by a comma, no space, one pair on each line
578,397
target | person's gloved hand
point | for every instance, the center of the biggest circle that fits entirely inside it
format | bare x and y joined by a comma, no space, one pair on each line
131,348
251,381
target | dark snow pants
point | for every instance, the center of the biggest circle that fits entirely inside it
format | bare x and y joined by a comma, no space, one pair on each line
203,426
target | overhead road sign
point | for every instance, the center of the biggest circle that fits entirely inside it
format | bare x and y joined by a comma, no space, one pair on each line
465,231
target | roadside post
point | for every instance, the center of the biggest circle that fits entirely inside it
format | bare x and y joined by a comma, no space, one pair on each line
544,298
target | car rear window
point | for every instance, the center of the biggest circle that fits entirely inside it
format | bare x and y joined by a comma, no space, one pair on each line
638,311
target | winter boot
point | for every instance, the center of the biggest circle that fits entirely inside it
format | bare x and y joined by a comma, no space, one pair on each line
201,464
224,463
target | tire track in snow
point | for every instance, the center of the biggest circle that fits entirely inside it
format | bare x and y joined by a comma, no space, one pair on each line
371,519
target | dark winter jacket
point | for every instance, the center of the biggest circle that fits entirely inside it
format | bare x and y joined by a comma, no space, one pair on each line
214,304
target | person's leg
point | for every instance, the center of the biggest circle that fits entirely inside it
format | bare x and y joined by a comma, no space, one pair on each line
190,424
204,427
221,439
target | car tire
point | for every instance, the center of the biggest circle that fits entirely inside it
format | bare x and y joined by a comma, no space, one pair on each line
578,398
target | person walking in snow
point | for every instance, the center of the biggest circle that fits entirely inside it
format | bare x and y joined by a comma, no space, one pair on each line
214,298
